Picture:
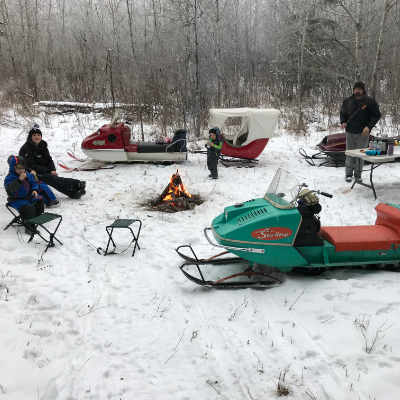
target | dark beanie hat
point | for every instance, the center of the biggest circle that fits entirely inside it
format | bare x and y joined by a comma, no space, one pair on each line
360,85
34,130
213,130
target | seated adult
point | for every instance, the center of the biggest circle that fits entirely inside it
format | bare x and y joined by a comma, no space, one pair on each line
38,158
23,192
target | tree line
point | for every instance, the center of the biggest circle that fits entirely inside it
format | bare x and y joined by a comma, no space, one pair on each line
182,57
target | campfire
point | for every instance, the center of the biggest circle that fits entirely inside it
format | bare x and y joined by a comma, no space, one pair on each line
175,197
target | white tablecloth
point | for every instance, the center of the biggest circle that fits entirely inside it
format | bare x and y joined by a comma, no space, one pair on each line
374,159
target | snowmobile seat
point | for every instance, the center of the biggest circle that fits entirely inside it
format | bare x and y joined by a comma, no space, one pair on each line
152,147
307,234
179,140
359,238
388,215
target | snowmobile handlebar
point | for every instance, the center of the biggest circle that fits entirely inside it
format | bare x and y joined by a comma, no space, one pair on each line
246,249
317,192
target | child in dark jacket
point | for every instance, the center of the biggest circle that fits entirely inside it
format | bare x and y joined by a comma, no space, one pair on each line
49,198
214,146
23,190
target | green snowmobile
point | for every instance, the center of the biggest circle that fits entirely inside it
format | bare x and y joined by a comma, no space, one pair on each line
282,231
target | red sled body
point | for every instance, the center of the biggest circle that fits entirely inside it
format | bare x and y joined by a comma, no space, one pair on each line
245,131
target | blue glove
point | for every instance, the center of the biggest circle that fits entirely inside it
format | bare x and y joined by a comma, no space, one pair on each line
372,153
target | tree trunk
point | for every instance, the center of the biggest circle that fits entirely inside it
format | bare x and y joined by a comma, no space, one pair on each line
300,71
218,55
358,40
357,19
197,110
110,68
386,8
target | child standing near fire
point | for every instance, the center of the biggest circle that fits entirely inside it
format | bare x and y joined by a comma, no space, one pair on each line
214,146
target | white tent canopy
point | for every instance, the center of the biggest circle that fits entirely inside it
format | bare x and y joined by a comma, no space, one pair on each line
255,124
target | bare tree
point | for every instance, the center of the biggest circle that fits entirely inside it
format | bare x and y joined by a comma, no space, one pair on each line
386,8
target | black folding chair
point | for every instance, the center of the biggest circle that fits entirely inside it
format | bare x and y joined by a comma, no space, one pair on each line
123,223
41,220
17,218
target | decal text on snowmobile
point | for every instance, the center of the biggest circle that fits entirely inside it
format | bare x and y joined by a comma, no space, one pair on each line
271,233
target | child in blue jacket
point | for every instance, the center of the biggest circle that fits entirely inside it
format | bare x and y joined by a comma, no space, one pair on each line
23,190
49,197
214,146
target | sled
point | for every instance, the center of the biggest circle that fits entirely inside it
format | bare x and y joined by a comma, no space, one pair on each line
245,132
281,232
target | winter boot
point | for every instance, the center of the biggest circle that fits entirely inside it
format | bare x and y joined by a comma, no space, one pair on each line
80,193
53,203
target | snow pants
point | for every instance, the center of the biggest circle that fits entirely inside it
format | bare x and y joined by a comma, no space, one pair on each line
355,141
212,164
67,186
29,211
46,192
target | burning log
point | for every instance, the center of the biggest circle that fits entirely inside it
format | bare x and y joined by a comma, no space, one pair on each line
175,197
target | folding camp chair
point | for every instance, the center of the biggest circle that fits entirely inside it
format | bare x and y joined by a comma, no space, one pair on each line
16,220
41,220
123,223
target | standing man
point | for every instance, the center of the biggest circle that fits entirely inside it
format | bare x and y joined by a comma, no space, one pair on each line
359,114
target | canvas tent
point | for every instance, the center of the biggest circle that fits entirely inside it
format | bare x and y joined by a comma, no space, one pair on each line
254,124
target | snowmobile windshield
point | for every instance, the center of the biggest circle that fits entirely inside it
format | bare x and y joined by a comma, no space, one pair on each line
280,191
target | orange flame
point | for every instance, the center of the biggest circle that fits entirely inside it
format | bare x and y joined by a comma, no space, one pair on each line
176,188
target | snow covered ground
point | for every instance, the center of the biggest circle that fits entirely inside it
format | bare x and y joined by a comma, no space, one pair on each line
78,325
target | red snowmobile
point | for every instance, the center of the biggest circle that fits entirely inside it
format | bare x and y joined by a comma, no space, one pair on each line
113,142
332,147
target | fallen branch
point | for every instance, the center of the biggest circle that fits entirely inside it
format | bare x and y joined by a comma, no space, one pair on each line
85,363
234,314
297,299
91,308
171,356
212,385
180,339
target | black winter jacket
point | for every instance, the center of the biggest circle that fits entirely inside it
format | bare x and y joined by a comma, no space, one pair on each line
366,113
37,158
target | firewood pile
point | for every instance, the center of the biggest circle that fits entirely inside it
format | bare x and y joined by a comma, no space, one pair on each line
175,197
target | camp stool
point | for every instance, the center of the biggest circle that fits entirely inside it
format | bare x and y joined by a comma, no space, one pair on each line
41,220
120,224
16,220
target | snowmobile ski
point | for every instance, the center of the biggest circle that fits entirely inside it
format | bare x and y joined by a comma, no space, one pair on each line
222,282
211,260
72,155
88,167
